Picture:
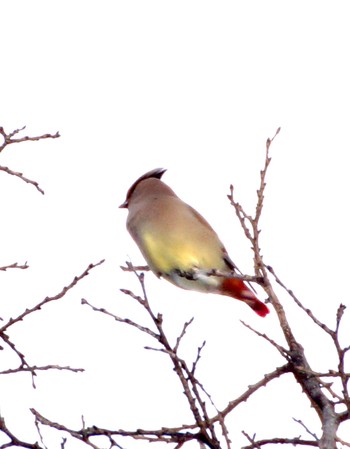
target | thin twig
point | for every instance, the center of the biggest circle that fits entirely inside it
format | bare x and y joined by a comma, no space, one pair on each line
34,368
21,176
24,365
132,268
121,320
291,441
183,332
189,382
48,299
299,421
252,389
298,302
283,351
8,138
14,441
15,265
177,435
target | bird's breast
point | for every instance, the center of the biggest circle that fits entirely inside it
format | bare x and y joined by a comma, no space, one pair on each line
165,254
180,251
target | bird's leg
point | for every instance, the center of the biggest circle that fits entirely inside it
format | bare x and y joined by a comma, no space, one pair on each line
191,275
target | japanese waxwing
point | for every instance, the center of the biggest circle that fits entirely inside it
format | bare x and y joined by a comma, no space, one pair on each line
179,244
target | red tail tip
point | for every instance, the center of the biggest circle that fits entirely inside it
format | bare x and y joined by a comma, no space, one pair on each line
238,290
260,308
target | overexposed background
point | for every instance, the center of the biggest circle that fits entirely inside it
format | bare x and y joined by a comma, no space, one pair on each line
195,87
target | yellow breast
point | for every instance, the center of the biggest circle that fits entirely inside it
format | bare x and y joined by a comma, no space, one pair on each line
165,254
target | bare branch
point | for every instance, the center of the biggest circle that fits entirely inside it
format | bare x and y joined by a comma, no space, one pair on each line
121,320
40,434
298,302
293,441
48,299
299,421
42,368
183,332
284,352
263,172
21,176
193,389
312,385
196,272
253,388
174,435
186,376
333,334
131,268
24,365
344,443
15,265
9,137
14,441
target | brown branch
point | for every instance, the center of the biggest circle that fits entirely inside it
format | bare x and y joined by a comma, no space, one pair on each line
8,138
184,374
13,440
48,299
334,334
41,436
24,365
193,389
284,352
14,265
168,435
252,232
311,385
191,386
344,443
293,441
21,176
183,332
298,302
131,268
253,388
120,319
196,272
34,368
299,421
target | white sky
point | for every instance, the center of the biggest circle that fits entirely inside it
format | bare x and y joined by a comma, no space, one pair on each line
195,87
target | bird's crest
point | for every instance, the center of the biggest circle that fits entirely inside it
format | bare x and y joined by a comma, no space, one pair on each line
155,173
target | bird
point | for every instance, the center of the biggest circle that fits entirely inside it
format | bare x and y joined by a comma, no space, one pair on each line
179,245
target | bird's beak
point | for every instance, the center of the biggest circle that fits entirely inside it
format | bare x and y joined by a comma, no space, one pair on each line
124,205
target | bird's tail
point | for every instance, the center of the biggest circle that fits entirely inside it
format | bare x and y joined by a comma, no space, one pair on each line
237,289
